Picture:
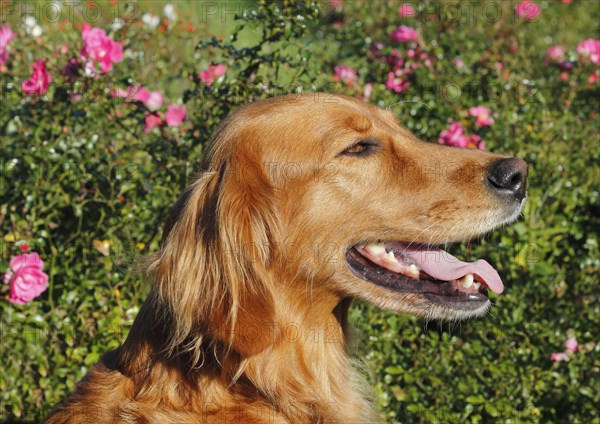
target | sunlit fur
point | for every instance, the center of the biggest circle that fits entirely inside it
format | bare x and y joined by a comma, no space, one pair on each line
246,320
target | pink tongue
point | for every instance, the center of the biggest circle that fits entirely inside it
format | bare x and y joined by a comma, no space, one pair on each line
443,266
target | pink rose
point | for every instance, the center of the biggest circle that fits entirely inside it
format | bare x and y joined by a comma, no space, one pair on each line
528,10
475,142
559,357
6,35
26,278
130,93
405,34
40,80
175,115
135,92
345,74
482,114
555,53
406,10
454,136
589,49
140,93
152,121
212,73
571,344
395,59
100,48
154,100
396,82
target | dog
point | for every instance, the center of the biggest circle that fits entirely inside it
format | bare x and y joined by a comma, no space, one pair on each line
303,203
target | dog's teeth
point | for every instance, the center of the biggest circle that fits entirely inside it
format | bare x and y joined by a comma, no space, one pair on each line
476,285
376,249
390,257
413,271
467,281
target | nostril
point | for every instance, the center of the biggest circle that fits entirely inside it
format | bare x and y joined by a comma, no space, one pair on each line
508,175
515,181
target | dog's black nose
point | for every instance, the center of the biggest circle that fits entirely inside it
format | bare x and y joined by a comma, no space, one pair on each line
508,177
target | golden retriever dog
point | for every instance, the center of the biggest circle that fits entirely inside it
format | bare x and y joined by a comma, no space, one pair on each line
303,203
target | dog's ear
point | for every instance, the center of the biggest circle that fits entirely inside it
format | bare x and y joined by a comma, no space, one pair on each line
211,272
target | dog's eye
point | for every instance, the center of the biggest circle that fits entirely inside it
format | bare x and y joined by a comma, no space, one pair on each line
361,148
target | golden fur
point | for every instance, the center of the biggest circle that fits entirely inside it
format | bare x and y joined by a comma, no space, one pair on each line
246,318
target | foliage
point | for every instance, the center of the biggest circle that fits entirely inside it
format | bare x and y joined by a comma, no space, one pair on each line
85,186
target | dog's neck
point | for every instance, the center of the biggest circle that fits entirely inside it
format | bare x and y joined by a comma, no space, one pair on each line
303,375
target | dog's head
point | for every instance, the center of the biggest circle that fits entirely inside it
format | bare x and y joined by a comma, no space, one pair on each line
307,200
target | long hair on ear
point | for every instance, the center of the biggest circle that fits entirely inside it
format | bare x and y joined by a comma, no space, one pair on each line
210,279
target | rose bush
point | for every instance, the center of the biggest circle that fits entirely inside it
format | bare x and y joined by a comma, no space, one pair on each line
103,123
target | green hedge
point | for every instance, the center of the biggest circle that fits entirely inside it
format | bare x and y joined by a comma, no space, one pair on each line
79,175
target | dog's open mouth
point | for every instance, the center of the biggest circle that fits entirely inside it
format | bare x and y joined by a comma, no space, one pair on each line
431,271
